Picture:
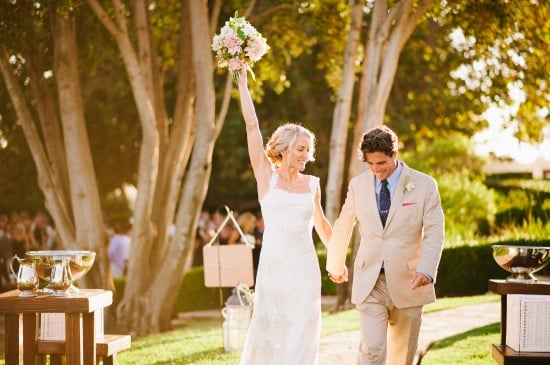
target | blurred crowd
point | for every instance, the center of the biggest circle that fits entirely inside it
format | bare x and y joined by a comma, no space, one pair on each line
210,222
22,231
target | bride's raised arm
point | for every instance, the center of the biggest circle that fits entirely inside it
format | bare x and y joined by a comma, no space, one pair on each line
260,164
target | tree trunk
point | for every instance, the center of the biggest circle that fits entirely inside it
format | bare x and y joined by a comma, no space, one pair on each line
341,116
198,174
84,191
148,299
57,206
134,311
389,30
44,97
176,156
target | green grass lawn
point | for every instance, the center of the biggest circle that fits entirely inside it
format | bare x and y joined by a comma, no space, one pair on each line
196,342
469,348
200,341
453,302
347,320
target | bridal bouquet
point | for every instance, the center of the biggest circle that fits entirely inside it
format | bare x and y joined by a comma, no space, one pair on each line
238,45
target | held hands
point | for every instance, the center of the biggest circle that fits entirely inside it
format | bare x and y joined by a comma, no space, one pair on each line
418,280
339,278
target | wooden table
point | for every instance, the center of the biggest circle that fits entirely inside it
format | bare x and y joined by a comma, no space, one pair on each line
503,354
24,314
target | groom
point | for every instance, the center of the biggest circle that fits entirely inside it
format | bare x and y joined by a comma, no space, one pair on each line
402,231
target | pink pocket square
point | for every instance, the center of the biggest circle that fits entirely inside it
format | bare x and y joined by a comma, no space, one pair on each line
407,204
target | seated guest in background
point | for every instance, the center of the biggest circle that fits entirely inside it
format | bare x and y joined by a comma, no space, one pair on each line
42,233
205,232
20,242
6,252
119,249
247,223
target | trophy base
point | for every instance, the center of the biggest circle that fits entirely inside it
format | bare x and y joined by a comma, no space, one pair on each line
525,278
61,293
27,294
48,289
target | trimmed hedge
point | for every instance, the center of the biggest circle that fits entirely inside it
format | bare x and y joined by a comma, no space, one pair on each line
466,270
194,296
463,271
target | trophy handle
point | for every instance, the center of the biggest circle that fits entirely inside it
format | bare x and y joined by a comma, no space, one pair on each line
11,263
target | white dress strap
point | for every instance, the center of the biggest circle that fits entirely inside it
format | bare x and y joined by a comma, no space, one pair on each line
313,182
273,180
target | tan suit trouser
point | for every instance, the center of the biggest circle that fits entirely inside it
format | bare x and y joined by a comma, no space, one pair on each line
389,335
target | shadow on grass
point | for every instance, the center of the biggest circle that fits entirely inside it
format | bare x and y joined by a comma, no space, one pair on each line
195,358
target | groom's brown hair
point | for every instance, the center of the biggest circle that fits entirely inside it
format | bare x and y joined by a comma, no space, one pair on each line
378,139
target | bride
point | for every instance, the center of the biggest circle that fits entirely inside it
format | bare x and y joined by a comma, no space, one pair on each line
286,322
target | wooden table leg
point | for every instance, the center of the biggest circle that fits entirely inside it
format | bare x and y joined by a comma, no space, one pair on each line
30,325
503,310
88,326
11,338
73,338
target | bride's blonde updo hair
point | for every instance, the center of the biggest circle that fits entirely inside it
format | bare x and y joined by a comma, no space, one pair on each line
284,139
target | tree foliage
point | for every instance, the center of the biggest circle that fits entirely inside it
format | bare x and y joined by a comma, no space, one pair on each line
506,46
422,106
156,61
146,54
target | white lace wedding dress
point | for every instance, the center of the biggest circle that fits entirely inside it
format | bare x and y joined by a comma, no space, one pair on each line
286,321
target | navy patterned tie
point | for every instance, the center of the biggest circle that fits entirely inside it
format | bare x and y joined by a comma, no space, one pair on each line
385,202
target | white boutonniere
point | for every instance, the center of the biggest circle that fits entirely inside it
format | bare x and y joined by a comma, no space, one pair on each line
407,184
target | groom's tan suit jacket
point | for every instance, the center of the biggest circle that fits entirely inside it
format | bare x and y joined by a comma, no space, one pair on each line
412,239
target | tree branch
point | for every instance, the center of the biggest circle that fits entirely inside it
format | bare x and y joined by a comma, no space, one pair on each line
105,19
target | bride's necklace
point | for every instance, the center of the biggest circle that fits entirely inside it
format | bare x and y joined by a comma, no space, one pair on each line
288,183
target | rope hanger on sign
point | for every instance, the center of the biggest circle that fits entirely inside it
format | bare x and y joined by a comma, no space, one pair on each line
230,217
228,265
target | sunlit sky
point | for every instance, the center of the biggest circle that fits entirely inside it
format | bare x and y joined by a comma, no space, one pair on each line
499,138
